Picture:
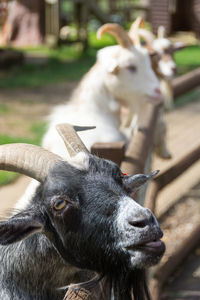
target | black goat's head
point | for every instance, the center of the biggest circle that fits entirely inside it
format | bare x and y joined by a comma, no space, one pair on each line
84,207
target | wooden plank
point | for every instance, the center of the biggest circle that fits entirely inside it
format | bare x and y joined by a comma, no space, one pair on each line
113,151
140,144
186,82
161,273
169,175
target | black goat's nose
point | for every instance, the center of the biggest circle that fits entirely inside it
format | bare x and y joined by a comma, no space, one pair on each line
142,222
138,223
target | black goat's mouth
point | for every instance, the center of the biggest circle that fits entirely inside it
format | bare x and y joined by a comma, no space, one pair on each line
154,247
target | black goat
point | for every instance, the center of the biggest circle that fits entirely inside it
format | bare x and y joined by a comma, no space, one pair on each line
81,218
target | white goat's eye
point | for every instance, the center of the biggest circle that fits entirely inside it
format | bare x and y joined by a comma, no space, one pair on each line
60,204
132,68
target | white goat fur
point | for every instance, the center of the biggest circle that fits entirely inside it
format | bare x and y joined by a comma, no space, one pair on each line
95,101
165,64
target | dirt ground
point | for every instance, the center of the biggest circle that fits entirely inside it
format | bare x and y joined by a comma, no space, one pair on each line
26,106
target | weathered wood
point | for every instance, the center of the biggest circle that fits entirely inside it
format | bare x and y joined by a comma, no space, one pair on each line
169,175
178,168
186,82
140,144
161,273
114,151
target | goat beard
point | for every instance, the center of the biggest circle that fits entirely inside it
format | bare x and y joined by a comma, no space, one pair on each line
130,286
121,286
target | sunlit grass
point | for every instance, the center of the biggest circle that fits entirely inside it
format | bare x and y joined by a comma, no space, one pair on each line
188,59
37,130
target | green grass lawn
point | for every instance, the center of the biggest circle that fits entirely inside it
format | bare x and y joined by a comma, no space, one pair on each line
188,59
64,63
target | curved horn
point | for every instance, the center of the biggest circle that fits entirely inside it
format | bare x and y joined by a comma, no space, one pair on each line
135,181
148,36
71,139
133,32
27,159
118,32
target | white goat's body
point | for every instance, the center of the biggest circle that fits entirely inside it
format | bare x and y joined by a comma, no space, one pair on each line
91,105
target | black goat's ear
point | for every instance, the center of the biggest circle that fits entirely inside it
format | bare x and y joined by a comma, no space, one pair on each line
19,227
133,183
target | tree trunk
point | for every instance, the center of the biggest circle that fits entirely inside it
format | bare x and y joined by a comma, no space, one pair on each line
25,24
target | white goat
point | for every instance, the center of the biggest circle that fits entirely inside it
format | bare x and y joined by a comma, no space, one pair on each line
161,51
121,73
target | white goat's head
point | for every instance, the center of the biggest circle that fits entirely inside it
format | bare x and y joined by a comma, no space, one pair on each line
160,49
129,75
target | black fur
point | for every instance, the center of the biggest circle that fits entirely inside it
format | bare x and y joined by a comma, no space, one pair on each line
83,234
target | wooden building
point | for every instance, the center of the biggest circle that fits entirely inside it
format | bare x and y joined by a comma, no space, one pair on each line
175,15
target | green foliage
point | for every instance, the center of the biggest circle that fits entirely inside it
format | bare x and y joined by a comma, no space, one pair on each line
188,59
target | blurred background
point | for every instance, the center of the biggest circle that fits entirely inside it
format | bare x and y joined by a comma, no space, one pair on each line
45,49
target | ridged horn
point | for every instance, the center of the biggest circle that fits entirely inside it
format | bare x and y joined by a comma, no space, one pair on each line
118,32
27,159
71,139
134,30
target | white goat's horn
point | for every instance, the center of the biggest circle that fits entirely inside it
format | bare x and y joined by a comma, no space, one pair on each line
161,32
134,33
71,139
118,32
148,36
27,159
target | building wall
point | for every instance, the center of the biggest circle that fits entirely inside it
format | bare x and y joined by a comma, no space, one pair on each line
159,15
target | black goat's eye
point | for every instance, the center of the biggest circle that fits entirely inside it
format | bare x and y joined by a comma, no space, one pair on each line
60,204
132,68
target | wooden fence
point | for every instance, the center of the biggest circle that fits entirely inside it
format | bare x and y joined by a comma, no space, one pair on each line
137,159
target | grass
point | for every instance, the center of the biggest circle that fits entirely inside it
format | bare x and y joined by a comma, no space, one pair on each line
64,63
188,59
71,63
4,108
37,130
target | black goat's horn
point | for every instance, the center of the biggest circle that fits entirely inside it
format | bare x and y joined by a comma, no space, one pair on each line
71,139
118,32
27,159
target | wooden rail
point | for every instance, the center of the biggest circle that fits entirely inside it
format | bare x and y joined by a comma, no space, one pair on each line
142,143
186,82
166,177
